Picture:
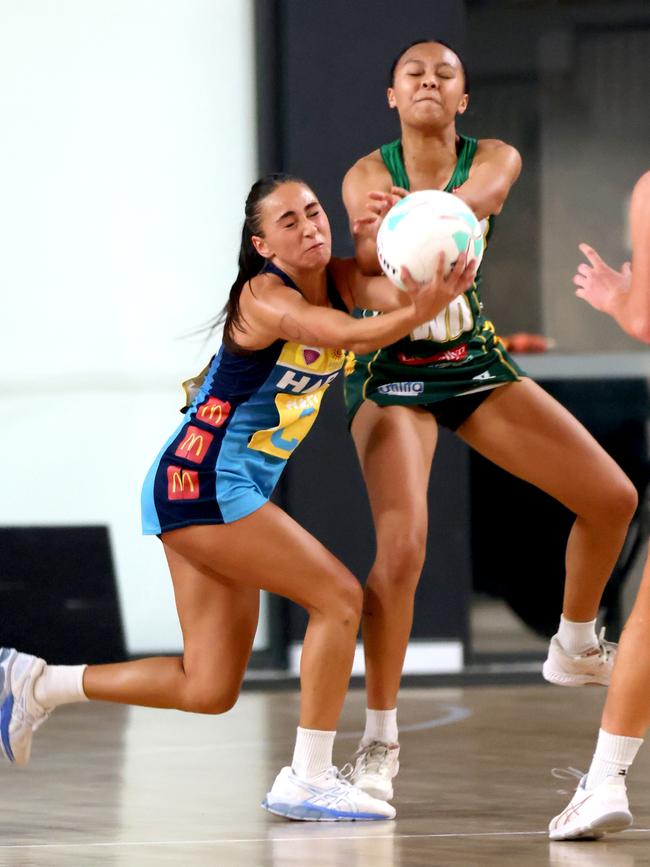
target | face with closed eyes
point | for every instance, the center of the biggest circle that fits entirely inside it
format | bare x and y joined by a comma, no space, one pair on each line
294,229
428,89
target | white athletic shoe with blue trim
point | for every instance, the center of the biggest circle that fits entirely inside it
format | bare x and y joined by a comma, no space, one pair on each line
326,798
20,715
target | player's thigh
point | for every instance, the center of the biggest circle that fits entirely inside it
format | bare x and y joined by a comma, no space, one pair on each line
395,445
269,550
524,430
218,619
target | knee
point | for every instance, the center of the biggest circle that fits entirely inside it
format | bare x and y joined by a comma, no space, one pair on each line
350,600
628,498
343,602
400,558
621,499
210,699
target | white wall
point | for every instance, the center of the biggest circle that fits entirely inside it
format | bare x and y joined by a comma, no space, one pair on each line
127,149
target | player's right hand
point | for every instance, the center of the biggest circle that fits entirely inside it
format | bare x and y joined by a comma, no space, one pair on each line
431,297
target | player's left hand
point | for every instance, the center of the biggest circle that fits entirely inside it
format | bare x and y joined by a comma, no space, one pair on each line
598,284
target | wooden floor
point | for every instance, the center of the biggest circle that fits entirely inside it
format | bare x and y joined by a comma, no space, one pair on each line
136,787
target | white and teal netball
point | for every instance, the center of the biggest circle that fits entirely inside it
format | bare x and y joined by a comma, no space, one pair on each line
421,226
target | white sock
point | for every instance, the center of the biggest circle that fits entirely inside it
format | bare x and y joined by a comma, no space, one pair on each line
60,684
381,725
313,752
614,755
577,638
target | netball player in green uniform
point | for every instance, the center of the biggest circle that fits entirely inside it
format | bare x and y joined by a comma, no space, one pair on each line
455,372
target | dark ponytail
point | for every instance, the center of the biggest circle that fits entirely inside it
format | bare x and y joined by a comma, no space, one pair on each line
250,262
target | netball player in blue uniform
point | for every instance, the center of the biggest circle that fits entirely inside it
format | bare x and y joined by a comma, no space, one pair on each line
207,497
468,383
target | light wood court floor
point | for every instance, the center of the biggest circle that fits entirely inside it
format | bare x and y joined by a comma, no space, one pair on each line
109,785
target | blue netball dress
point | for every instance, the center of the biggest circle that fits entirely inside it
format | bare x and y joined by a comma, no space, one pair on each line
249,415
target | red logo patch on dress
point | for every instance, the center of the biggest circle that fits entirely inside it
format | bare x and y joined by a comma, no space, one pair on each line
182,484
213,411
458,353
194,444
311,356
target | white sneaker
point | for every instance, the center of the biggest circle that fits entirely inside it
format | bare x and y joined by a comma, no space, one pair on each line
594,666
20,715
326,798
592,813
375,765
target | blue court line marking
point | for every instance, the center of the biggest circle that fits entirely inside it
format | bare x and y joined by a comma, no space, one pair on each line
292,839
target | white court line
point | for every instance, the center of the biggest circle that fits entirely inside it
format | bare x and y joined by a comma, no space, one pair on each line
291,839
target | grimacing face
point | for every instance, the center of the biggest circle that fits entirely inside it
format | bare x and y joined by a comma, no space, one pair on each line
295,230
428,86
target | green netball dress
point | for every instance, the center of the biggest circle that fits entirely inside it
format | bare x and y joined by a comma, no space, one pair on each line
457,353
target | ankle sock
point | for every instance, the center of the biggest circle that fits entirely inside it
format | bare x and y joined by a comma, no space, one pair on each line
313,752
381,725
614,755
576,637
59,684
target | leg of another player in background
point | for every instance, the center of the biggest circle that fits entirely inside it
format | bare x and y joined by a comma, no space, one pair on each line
526,432
600,804
395,446
627,709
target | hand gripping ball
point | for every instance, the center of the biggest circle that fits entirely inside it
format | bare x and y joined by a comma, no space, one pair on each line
419,227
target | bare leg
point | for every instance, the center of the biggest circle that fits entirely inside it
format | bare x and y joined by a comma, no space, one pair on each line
627,709
526,432
218,612
624,723
218,621
403,437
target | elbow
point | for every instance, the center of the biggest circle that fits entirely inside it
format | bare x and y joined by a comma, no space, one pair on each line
486,206
494,203
640,329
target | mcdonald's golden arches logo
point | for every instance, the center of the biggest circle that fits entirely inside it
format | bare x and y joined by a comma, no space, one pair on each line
194,444
182,484
213,411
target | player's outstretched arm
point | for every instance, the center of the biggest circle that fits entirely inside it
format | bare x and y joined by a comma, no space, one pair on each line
624,295
282,313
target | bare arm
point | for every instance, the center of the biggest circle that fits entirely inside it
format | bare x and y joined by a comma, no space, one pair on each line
276,311
366,175
495,168
624,295
364,291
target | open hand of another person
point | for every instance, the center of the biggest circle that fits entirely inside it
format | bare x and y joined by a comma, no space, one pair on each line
600,285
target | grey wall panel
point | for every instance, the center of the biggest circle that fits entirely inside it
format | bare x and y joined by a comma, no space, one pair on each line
333,77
